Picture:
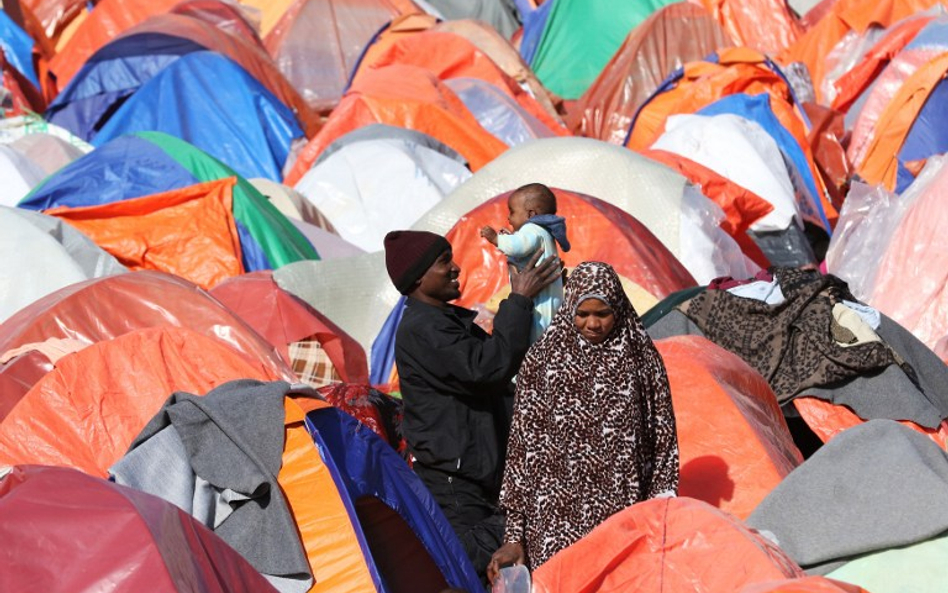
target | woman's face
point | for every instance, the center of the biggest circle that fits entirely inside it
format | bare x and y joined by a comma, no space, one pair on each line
594,319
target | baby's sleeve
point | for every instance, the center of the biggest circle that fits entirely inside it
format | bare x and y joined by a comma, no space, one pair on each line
519,244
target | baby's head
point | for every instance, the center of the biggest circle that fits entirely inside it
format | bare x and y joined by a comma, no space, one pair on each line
528,201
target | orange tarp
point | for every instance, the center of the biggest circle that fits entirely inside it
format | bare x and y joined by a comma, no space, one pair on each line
734,444
804,585
880,165
108,19
845,15
283,318
451,56
765,25
408,97
406,25
189,232
742,207
676,34
324,524
827,420
851,85
597,231
86,412
672,545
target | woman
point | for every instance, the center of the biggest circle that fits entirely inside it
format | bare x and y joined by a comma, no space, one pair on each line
593,429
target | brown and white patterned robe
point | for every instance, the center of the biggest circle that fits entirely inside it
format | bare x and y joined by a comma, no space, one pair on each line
593,429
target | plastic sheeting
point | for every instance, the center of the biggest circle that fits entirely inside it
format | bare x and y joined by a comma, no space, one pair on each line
499,14
67,531
370,187
409,97
911,284
742,151
17,48
257,148
768,26
674,35
317,43
87,411
734,444
282,319
189,232
234,20
105,308
667,544
47,152
18,174
452,56
804,585
580,37
35,264
497,112
919,568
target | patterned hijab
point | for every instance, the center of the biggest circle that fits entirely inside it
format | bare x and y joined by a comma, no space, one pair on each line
593,429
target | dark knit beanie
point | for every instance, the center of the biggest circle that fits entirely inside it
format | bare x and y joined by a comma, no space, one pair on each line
409,254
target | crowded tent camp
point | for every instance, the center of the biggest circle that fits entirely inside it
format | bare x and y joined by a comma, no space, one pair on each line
445,296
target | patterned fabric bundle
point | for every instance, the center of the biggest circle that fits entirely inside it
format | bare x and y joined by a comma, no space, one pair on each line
312,364
593,429
793,345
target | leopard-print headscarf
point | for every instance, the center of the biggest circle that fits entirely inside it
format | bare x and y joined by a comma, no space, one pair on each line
593,429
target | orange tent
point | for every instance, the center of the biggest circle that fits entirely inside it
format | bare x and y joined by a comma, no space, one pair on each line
54,15
109,18
880,163
844,16
408,97
189,232
597,231
676,34
670,545
768,26
734,444
742,207
86,412
452,56
804,585
827,420
851,85
284,319
507,58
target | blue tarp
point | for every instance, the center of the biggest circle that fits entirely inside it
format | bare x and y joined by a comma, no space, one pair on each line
112,74
382,358
534,21
17,47
364,465
928,135
211,102
756,108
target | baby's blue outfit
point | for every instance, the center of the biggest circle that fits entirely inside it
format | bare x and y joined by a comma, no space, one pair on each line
519,247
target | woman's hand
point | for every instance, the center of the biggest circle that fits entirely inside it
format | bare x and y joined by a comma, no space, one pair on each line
510,553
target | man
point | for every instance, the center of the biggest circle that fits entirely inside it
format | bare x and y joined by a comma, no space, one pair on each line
454,379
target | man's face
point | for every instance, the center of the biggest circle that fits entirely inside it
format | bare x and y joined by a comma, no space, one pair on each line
440,283
517,211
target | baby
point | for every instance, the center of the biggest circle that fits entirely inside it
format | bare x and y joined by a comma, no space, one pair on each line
532,215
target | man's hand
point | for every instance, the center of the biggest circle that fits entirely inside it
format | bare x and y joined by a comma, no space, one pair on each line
490,234
533,278
511,553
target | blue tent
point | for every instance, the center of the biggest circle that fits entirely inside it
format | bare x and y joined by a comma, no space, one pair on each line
757,108
211,102
403,529
110,76
17,47
151,162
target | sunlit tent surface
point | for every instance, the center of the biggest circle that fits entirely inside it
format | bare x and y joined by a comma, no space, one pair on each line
151,162
121,67
197,98
95,532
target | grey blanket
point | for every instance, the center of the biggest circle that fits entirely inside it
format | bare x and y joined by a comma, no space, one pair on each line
875,486
217,457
